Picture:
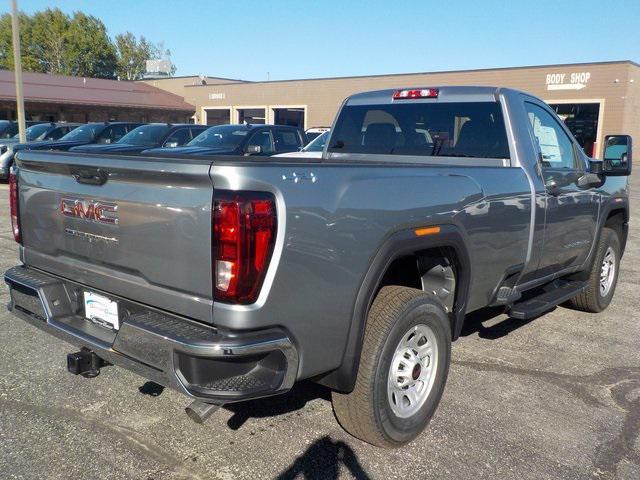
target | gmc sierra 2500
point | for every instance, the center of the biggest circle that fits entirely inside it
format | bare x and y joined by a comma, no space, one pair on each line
229,278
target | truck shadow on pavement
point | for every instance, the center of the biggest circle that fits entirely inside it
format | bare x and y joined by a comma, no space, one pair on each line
322,460
473,323
292,401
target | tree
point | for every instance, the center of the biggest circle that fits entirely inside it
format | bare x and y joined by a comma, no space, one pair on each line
49,40
30,60
90,52
133,55
54,42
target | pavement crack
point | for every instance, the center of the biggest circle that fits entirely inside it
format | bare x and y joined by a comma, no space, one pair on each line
134,438
622,384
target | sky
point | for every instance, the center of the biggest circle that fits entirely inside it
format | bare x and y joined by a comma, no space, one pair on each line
280,39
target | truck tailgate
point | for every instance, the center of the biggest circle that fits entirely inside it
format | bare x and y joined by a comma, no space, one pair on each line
143,234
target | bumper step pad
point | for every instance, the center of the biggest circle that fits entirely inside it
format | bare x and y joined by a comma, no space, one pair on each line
196,359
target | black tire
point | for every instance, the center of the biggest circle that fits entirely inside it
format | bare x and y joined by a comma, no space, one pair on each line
366,412
591,299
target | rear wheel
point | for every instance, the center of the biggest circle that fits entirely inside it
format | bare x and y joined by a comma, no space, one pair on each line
403,369
603,276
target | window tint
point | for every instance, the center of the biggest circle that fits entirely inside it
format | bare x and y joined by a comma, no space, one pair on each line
178,138
57,133
317,145
469,129
195,131
223,136
117,132
35,131
84,133
262,138
287,140
105,136
8,130
556,148
145,135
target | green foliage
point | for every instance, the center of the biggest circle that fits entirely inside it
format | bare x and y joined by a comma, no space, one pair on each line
90,52
29,59
53,42
133,54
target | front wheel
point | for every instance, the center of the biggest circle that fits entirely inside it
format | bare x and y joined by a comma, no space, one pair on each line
403,369
603,276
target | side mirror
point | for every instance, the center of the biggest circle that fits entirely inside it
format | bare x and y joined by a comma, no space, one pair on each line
617,155
171,144
253,150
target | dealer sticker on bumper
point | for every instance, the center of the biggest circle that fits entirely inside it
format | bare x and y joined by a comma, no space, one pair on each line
101,310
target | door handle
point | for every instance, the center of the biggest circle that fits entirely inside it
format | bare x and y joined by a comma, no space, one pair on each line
91,176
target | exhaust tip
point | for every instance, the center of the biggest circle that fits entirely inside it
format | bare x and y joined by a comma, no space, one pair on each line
199,411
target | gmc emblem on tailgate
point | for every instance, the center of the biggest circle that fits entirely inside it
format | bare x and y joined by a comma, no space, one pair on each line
100,212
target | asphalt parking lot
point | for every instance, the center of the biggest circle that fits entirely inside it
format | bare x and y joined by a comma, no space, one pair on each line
557,397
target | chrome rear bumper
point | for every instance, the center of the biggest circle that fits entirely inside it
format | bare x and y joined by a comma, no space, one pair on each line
198,360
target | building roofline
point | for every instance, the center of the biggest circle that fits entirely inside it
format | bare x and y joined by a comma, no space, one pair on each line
436,72
102,104
193,76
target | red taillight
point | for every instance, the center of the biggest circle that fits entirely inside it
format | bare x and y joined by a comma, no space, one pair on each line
13,207
415,93
244,235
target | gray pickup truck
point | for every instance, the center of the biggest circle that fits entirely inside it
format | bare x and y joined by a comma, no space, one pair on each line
231,278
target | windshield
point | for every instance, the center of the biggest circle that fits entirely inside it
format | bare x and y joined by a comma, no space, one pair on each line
222,136
448,129
84,133
35,131
145,135
317,145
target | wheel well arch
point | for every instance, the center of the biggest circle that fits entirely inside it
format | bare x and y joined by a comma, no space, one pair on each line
616,219
404,257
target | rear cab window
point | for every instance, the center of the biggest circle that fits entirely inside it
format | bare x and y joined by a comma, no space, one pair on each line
428,129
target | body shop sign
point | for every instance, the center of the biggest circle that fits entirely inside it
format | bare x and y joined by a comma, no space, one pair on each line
567,81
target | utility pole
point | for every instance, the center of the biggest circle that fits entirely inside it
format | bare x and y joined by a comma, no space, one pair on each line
17,66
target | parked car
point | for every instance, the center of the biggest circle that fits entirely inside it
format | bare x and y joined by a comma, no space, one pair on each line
311,150
9,128
315,132
229,279
89,133
242,139
152,135
40,132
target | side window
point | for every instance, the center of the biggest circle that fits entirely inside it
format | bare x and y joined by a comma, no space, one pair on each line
118,131
195,131
556,148
178,138
105,136
263,139
56,133
287,140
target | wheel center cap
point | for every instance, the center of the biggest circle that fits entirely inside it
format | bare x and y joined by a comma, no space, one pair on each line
415,373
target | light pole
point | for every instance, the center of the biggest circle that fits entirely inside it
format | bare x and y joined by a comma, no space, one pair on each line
17,66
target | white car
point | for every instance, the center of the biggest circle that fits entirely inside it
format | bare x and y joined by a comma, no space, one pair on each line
312,150
315,132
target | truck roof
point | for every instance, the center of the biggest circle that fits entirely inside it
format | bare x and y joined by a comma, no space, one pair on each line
446,93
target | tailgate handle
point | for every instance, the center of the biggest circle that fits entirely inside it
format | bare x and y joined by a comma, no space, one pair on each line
92,176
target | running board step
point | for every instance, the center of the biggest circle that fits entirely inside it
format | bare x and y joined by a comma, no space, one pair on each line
556,293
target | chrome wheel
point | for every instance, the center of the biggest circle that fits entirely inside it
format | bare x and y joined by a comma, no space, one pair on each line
413,371
607,272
